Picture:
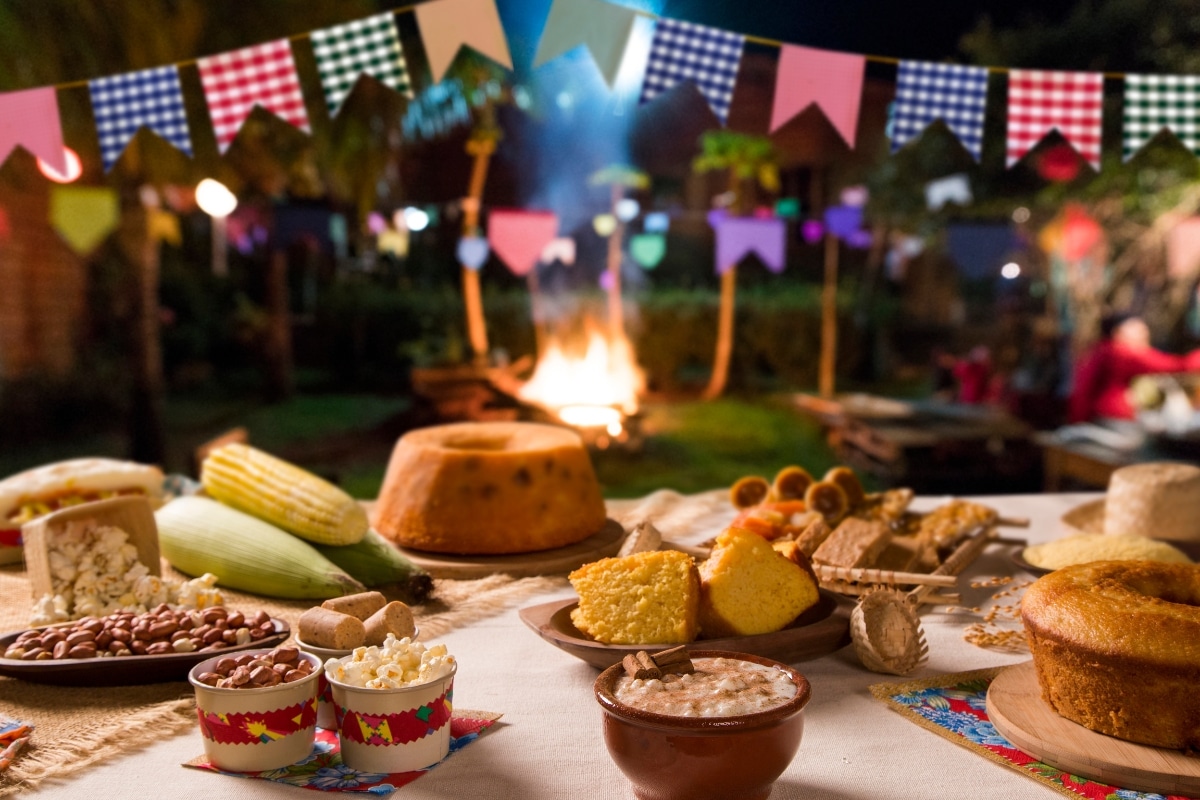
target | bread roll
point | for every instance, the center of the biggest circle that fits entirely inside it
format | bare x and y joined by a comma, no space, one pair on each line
323,627
361,605
395,618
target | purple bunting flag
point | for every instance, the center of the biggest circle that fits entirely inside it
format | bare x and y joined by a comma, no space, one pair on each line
739,236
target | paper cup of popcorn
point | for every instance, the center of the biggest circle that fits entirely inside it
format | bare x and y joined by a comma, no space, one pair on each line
261,723
393,728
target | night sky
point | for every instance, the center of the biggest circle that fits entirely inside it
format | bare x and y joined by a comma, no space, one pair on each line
924,29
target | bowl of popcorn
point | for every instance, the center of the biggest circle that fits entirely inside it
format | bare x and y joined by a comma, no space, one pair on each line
257,709
704,725
392,703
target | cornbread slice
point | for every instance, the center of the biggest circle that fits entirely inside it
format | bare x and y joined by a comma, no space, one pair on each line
747,587
853,543
650,597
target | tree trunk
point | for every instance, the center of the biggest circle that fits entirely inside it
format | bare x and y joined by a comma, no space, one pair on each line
472,296
616,310
825,384
720,372
278,349
147,426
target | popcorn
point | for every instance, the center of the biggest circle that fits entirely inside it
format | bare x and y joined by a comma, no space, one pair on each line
95,571
395,664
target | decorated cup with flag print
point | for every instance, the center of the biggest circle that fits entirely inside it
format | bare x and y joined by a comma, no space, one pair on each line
393,730
256,728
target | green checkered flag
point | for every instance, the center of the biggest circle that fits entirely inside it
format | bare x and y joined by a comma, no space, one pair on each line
1154,102
370,45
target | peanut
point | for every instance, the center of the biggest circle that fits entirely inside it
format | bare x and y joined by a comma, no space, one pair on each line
125,633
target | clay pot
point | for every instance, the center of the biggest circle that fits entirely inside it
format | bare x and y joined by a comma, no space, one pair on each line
703,758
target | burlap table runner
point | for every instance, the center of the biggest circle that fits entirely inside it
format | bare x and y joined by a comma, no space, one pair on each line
80,726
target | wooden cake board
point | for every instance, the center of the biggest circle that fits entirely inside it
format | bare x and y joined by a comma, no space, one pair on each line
1016,708
606,542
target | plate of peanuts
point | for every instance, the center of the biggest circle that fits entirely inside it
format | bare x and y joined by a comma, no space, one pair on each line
126,648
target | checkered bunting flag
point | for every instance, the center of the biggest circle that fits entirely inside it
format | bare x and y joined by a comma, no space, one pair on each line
1155,102
1040,101
122,104
707,57
370,45
235,82
927,92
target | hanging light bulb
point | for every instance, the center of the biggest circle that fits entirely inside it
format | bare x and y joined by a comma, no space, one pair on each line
215,199
627,209
74,168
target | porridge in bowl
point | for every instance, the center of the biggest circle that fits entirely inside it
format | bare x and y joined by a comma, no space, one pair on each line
719,687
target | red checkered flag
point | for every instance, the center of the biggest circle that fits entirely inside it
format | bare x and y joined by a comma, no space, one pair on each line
236,81
1040,101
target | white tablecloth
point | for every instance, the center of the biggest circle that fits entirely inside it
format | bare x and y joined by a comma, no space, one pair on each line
548,744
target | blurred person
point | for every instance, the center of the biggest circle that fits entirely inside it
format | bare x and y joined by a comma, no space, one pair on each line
1104,373
1037,379
974,375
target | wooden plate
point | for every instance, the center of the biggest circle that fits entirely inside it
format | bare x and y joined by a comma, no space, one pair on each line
599,545
821,630
1016,708
123,670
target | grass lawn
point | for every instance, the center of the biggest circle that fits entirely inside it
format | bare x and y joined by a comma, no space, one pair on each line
692,446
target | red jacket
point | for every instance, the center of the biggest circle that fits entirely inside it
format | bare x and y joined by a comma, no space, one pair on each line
1104,375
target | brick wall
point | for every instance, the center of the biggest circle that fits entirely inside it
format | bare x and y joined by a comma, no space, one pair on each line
43,283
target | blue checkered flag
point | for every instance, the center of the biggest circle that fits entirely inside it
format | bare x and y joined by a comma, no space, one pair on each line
927,92
685,52
124,103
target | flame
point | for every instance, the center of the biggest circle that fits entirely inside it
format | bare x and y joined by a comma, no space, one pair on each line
589,391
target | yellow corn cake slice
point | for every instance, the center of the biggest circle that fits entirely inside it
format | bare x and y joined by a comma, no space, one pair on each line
748,588
646,598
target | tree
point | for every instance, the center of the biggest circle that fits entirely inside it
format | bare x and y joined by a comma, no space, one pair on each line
1137,203
619,177
748,162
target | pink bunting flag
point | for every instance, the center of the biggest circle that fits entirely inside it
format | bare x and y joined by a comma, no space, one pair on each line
447,25
237,81
29,118
519,237
1040,101
831,81
1183,248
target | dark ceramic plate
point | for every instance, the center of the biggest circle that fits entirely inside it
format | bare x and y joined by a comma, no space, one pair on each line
1018,558
122,671
821,630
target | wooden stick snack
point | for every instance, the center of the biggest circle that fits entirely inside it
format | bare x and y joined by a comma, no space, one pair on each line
828,572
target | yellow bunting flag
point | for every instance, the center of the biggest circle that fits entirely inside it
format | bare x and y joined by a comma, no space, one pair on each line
163,226
83,215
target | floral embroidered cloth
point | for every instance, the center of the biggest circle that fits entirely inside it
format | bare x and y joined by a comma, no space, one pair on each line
955,706
324,770
14,735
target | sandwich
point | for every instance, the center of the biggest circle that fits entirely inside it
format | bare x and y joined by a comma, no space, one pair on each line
41,490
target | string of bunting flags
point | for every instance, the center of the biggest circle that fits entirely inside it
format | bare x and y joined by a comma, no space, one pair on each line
681,52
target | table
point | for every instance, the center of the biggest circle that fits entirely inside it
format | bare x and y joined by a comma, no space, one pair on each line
1083,464
929,446
549,745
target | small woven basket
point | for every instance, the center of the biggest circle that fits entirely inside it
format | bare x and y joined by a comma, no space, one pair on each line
887,633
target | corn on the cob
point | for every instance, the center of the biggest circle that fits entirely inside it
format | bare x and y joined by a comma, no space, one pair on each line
283,494
199,535
376,562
